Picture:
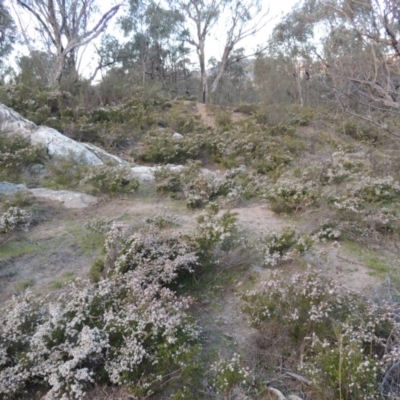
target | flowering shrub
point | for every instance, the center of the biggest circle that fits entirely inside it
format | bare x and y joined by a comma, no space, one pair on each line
159,256
190,183
341,368
14,218
282,246
240,182
120,331
111,180
97,225
376,190
230,374
290,195
335,174
327,231
17,153
307,301
198,187
201,190
371,202
215,231
163,220
346,343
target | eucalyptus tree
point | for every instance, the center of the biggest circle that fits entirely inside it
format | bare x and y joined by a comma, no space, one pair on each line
354,47
8,34
153,44
238,18
65,26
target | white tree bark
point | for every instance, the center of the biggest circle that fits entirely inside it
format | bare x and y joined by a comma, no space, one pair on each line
65,23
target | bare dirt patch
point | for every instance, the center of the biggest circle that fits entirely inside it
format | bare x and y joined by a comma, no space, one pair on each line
206,117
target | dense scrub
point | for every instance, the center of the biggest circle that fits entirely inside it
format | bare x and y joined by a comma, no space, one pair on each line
132,324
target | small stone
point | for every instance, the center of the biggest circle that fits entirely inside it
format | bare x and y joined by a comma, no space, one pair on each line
177,136
37,169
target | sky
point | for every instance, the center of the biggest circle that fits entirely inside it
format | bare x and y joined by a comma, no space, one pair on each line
214,44
277,10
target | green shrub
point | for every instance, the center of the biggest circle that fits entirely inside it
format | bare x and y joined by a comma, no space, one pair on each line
223,120
16,154
291,195
63,172
96,272
161,147
213,231
111,180
246,108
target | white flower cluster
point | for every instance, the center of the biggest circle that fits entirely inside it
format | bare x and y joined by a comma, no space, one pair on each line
335,328
96,225
336,174
302,294
327,231
17,158
376,189
293,193
280,246
202,189
14,218
158,256
122,330
366,198
213,230
368,190
230,374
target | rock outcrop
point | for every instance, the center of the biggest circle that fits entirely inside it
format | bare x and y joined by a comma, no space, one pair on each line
11,188
67,198
56,143
59,145
146,173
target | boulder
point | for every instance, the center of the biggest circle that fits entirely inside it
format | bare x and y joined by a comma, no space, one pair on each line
11,188
103,155
67,198
146,174
56,143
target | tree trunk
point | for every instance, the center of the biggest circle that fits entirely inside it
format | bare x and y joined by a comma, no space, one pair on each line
203,72
221,69
57,72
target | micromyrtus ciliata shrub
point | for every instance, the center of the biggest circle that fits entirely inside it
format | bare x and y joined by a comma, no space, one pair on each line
230,374
111,180
127,329
14,218
345,343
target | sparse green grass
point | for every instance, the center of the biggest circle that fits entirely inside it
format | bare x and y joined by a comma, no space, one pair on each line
15,248
23,285
86,241
378,264
66,278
